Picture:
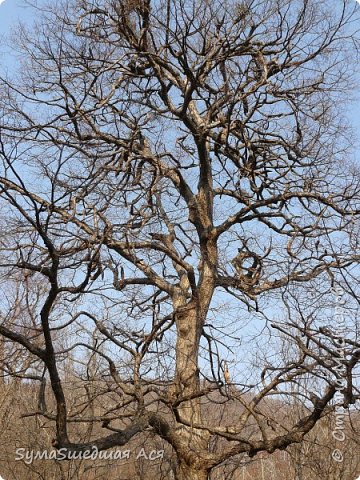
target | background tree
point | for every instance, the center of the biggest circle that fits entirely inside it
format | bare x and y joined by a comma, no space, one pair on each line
162,160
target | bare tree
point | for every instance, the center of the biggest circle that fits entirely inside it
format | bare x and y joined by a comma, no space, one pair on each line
175,174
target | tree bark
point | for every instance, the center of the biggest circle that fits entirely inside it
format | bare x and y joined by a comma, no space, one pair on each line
192,442
188,472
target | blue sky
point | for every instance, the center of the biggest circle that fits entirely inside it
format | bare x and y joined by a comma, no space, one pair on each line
13,10
10,11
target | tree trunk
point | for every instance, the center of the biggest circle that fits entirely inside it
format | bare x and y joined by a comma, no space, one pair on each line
188,472
192,442
187,350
